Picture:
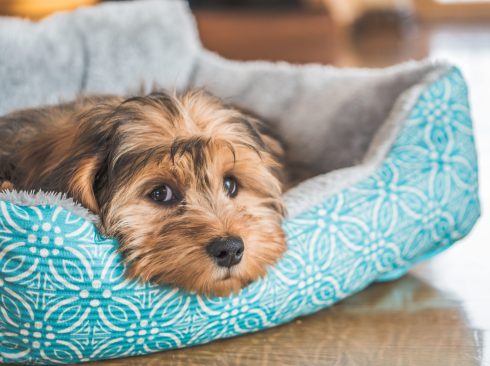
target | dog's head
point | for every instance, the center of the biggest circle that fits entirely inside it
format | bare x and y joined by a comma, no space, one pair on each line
187,185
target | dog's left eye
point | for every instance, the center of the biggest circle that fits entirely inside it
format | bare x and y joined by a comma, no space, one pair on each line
231,186
162,194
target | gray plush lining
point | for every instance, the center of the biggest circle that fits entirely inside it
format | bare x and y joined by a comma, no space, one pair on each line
300,198
23,198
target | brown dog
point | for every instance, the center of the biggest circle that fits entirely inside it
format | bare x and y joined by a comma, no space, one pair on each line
186,184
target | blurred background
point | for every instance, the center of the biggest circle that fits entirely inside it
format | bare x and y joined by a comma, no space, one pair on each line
442,307
339,32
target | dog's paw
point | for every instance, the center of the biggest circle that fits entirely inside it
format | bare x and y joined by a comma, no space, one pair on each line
6,186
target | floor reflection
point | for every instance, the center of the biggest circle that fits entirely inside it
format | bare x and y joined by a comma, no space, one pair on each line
407,322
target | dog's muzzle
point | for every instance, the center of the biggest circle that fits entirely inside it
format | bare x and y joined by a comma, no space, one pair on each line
227,251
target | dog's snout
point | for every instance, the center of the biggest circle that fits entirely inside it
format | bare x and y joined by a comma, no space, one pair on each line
227,251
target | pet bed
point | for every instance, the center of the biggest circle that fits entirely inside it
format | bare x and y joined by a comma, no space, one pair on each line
395,183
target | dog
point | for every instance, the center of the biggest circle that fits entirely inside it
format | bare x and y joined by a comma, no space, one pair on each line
189,186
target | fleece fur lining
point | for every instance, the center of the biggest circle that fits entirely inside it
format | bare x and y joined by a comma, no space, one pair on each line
23,198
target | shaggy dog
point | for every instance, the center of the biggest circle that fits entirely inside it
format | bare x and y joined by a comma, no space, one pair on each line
188,185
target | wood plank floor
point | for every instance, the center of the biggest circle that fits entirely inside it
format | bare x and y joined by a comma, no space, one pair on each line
437,315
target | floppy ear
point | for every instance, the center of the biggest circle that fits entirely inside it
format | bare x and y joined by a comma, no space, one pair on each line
64,157
262,130
273,158
273,145
270,143
81,185
60,160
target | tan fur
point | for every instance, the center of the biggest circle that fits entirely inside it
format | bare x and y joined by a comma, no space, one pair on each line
115,179
80,185
6,185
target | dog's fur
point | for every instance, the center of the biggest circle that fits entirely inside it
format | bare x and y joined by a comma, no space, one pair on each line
110,153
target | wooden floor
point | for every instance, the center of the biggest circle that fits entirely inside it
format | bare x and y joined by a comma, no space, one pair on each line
437,315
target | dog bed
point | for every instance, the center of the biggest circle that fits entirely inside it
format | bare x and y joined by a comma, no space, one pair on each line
392,154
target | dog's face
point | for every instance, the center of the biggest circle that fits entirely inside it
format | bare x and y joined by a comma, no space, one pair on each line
188,187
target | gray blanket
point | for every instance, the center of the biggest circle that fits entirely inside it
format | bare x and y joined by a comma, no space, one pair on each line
112,48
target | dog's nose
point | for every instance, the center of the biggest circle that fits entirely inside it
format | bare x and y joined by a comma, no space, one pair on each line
227,251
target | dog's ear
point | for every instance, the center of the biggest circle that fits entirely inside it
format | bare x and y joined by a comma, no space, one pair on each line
88,181
272,153
266,140
81,185
273,145
63,167
262,133
67,153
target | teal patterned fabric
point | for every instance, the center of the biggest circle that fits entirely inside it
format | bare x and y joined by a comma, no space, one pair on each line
64,299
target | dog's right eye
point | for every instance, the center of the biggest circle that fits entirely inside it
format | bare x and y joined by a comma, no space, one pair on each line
162,194
231,186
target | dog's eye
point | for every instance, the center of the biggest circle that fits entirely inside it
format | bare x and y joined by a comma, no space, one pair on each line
231,186
162,194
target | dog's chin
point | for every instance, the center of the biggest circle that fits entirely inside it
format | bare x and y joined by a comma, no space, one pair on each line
217,282
227,285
